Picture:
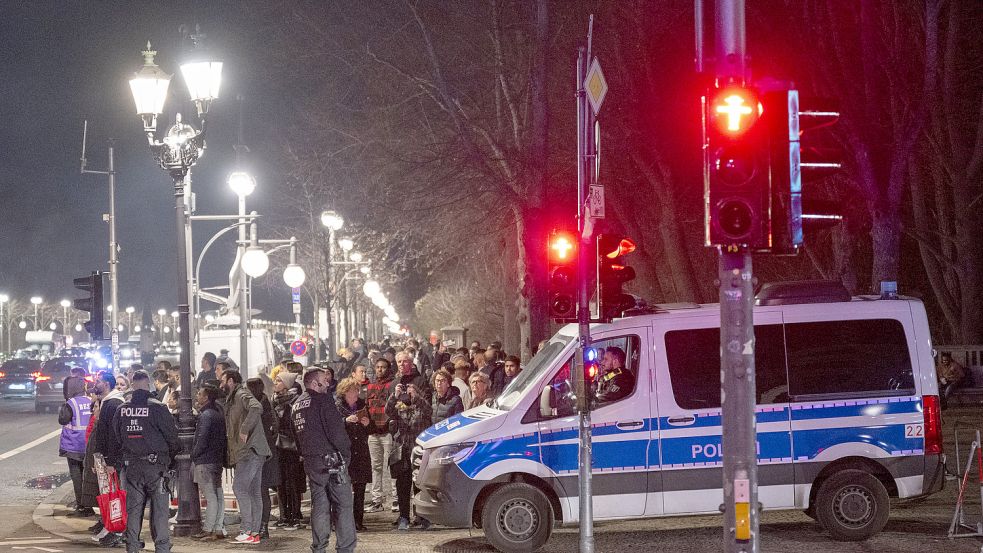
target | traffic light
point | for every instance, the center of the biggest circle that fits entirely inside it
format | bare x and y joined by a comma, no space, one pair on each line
736,188
93,304
562,256
782,118
612,274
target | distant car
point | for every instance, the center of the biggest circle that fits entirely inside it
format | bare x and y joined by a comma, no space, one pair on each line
48,385
17,377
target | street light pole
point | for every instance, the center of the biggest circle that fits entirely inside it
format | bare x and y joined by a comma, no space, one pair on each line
177,153
333,222
4,298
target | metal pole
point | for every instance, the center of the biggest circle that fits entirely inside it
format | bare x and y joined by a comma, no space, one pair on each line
243,330
191,282
329,301
739,441
113,263
317,328
585,462
189,509
2,327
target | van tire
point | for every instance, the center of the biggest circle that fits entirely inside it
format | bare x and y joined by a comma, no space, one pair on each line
852,505
517,518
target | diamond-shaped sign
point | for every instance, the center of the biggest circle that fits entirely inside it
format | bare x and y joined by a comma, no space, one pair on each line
596,85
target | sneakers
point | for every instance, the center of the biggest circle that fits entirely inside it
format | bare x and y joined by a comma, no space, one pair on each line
292,525
249,539
395,507
374,507
110,540
97,527
97,537
421,523
402,525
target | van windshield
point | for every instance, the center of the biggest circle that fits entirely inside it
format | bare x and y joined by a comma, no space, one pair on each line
531,372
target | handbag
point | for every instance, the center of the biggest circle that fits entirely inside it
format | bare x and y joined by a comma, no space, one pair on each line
112,505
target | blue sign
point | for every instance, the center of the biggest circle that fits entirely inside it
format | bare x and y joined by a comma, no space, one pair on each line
298,347
296,295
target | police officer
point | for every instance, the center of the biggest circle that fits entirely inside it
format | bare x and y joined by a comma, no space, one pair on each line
326,449
149,441
615,381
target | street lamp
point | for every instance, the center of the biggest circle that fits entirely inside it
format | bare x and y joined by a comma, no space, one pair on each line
346,244
177,153
130,310
356,257
36,300
333,222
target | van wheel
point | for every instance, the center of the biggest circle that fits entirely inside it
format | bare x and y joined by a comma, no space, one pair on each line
852,505
517,518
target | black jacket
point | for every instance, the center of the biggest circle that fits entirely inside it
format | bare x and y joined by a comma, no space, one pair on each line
283,406
320,429
419,380
496,373
144,426
360,466
209,446
107,441
447,406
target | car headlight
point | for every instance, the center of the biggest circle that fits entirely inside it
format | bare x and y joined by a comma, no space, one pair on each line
448,454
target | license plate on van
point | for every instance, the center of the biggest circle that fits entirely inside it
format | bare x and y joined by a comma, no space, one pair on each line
17,387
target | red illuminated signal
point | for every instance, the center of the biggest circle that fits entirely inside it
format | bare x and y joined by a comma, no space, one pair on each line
735,110
562,247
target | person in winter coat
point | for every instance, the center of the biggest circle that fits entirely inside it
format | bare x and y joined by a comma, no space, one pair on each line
74,418
271,468
352,409
446,398
461,370
409,412
248,451
90,482
409,374
208,456
293,479
380,440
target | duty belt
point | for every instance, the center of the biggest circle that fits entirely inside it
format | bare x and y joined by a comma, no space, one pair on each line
152,459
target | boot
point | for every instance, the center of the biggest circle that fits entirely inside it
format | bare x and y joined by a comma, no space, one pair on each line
264,531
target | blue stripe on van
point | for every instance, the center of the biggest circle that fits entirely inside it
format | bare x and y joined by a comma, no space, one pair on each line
872,408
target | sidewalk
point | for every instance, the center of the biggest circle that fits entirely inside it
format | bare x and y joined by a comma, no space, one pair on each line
52,516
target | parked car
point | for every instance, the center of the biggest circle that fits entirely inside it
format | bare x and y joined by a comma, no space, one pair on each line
17,377
49,383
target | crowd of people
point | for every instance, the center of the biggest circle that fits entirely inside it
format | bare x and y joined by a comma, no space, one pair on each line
342,430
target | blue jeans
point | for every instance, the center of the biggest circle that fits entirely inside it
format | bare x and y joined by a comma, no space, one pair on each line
143,482
247,485
209,480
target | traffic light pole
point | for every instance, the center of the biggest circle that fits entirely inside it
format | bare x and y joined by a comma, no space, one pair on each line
737,390
584,136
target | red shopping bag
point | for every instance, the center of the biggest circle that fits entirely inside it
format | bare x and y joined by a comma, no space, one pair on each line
112,506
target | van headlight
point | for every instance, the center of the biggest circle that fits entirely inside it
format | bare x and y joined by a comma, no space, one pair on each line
448,454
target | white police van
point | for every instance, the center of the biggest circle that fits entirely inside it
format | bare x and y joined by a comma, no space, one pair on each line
847,417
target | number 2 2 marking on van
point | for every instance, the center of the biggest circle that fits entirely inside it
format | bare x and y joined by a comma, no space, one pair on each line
913,431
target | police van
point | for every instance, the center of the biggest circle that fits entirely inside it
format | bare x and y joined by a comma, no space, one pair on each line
847,417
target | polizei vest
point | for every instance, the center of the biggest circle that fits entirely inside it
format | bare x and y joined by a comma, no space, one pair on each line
73,433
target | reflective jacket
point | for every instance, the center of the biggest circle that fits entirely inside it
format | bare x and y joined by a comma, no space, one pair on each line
73,431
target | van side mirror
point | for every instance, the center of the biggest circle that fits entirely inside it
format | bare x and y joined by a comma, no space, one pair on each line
545,400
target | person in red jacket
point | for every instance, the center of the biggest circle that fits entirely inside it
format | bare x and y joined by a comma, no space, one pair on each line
380,440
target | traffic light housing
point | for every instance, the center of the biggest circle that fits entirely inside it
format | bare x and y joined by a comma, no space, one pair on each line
612,274
735,156
780,109
93,304
562,265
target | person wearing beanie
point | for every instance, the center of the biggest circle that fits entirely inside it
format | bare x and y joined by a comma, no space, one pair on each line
293,479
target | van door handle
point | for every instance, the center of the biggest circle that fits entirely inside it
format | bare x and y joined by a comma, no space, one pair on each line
630,425
681,421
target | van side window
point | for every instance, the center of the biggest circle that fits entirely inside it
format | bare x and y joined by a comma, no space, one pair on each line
848,359
694,366
562,389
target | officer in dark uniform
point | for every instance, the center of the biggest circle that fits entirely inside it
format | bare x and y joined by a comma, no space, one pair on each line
326,449
615,381
149,441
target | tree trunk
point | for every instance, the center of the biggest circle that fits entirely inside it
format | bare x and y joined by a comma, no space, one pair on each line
885,235
533,316
511,335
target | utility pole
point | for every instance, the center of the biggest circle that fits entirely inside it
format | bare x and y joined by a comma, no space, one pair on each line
113,246
737,378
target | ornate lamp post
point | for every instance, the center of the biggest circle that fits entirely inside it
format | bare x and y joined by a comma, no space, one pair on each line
333,222
177,153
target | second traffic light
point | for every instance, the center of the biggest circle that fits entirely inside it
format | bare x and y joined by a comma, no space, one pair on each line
93,304
562,257
612,274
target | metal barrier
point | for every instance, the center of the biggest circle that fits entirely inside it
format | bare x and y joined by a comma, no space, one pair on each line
958,517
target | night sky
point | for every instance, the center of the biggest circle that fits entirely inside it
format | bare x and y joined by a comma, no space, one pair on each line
64,62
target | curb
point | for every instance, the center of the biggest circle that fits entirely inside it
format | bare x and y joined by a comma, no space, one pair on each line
44,516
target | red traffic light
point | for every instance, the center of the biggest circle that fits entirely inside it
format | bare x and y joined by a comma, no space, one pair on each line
624,246
734,110
562,247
